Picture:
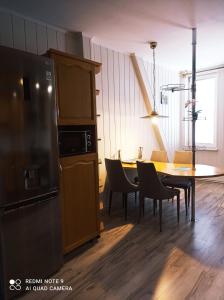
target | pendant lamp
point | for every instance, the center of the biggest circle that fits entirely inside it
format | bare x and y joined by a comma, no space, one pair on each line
154,113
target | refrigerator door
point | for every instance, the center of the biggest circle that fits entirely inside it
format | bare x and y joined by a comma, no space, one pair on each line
28,135
30,244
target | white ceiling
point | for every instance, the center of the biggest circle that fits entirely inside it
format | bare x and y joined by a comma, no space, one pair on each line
127,25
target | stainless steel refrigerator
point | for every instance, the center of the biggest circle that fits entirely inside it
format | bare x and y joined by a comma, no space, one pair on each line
30,229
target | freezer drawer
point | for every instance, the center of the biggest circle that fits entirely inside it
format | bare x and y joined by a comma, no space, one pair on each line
31,245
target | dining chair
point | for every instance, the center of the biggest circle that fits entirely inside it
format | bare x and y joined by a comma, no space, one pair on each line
181,157
157,155
160,156
119,182
150,186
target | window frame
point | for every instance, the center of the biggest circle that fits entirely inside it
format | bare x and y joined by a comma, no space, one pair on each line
187,127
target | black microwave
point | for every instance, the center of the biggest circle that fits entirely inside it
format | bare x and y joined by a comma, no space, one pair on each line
75,140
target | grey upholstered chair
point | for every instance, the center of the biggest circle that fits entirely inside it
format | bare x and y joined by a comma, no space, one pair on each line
150,186
119,182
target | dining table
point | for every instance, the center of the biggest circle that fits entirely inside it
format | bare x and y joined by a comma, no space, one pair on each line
182,170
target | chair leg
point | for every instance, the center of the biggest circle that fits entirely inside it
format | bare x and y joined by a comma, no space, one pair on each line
141,202
173,197
160,215
154,206
110,201
135,197
189,197
125,197
178,208
186,199
143,207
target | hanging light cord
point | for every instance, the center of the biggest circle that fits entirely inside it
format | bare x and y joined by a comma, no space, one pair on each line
154,79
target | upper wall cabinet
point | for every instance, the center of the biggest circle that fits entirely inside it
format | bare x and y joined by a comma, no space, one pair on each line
75,79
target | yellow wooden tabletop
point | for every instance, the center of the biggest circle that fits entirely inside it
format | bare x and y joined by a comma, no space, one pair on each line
185,170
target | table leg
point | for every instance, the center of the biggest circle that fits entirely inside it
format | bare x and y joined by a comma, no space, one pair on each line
193,200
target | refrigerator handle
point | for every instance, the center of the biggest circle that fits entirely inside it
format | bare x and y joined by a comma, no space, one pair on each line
26,89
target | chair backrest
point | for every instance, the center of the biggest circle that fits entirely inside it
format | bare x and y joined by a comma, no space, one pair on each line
158,155
117,178
149,182
182,157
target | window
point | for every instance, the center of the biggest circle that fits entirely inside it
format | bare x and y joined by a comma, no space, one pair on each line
206,101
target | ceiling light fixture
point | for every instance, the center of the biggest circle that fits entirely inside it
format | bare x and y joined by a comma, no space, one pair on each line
154,113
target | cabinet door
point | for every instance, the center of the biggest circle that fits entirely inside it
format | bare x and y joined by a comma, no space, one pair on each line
76,91
79,187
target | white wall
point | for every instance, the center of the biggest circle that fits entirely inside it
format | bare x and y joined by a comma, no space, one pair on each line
170,126
120,105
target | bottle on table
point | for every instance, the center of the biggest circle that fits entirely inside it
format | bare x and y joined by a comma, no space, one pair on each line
140,151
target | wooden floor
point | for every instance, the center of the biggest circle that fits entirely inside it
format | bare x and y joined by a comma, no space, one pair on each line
132,261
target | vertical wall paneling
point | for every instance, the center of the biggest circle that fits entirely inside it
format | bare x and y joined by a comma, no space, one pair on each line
19,37
31,36
52,38
111,102
60,41
117,115
146,89
106,120
132,107
36,37
123,127
127,103
121,106
169,127
41,39
99,107
6,32
87,47
74,43
122,98
69,42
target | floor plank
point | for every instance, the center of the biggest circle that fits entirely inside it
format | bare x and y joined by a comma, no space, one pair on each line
135,262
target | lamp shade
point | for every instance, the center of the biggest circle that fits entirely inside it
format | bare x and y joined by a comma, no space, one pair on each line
154,114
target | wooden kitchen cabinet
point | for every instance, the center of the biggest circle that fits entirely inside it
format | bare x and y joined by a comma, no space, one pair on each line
76,94
79,191
79,180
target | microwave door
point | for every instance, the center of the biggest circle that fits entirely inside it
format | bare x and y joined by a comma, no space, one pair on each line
73,142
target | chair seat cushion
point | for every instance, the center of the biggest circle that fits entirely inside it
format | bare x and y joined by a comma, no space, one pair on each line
176,182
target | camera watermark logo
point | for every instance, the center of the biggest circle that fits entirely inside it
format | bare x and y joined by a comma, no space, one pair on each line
15,284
